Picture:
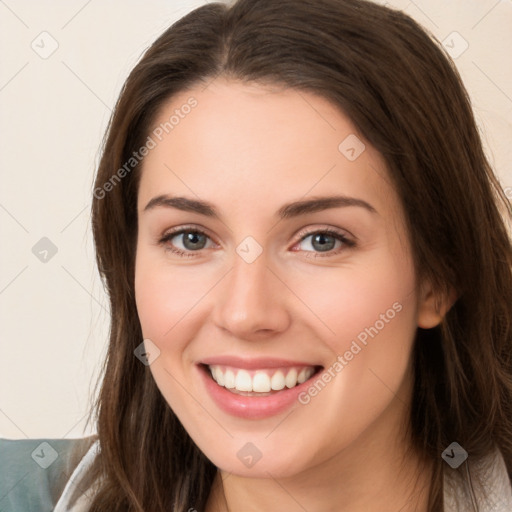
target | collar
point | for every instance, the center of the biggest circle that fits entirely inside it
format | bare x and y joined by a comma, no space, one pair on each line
478,485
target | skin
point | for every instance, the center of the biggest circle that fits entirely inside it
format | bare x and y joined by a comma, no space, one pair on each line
248,149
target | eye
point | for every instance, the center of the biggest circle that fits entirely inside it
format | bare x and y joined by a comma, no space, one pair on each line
324,241
185,241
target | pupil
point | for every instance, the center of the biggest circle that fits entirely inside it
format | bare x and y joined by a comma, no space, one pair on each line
193,239
321,239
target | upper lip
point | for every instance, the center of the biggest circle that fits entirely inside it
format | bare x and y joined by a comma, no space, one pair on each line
253,363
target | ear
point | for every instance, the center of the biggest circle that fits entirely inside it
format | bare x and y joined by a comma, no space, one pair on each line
432,307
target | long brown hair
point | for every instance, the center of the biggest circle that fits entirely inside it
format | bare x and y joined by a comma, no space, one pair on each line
395,83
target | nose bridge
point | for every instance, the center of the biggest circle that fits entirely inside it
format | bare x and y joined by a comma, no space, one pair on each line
251,299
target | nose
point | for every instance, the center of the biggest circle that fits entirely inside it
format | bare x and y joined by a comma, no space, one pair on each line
251,301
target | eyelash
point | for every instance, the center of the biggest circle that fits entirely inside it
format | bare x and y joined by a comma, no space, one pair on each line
303,235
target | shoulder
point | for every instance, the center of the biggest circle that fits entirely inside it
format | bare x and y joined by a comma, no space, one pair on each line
34,472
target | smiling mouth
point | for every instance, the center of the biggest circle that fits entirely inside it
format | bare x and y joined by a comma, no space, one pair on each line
260,382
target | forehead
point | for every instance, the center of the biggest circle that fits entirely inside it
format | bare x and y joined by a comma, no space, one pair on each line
245,140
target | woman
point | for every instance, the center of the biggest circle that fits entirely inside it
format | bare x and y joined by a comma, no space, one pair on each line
309,270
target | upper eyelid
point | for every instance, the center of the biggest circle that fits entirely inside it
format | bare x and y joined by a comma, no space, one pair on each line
183,229
326,229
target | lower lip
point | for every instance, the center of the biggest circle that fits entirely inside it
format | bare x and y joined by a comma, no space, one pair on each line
252,407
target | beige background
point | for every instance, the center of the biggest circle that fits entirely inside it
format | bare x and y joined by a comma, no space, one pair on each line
54,110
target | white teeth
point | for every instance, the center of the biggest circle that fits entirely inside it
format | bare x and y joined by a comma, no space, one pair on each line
260,381
229,379
219,376
243,381
277,383
304,375
291,378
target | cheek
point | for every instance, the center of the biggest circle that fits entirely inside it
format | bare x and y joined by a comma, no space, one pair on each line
344,304
165,299
367,316
164,295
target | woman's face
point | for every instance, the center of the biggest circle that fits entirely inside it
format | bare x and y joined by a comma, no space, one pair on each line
294,264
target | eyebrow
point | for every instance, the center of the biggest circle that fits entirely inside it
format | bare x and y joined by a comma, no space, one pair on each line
290,210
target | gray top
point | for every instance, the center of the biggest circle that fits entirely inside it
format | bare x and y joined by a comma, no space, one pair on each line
43,475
